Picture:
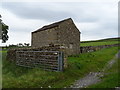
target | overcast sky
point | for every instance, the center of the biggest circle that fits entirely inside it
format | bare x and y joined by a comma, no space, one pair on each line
95,20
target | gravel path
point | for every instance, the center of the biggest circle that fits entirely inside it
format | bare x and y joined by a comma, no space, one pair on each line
94,77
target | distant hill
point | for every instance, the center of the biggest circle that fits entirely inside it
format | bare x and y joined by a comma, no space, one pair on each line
107,41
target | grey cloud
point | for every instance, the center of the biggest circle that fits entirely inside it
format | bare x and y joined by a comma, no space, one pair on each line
100,32
21,10
84,18
43,11
110,25
19,30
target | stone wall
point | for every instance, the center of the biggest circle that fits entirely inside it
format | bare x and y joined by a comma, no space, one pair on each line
43,38
47,60
69,35
11,54
85,49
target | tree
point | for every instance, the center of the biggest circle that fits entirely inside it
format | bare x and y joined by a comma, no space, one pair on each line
4,32
20,44
26,44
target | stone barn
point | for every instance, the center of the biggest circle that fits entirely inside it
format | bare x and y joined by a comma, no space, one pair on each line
63,33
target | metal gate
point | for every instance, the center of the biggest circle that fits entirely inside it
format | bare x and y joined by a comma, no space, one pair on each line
48,60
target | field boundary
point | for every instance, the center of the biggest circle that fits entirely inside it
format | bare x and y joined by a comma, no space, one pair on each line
85,49
47,60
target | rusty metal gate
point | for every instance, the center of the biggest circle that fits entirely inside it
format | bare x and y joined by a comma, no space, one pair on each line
47,60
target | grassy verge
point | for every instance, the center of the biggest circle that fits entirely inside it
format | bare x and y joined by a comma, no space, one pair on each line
111,80
79,65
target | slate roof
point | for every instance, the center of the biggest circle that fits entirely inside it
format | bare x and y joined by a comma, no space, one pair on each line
56,24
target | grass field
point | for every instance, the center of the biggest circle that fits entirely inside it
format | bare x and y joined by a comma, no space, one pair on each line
78,66
100,42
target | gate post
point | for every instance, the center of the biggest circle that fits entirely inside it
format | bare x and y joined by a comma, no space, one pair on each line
60,61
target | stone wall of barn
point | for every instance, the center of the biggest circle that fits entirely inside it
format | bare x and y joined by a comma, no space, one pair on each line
66,34
44,38
69,36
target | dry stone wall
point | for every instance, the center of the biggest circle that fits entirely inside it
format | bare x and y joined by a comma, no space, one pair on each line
11,54
47,60
31,52
85,49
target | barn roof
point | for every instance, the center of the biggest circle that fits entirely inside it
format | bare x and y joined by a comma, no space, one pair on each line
56,24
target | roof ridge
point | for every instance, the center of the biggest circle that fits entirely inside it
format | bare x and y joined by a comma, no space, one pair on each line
51,25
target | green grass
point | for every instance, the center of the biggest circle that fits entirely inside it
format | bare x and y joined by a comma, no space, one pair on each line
78,66
111,80
100,42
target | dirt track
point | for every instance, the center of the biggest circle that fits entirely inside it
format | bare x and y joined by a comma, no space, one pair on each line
94,77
